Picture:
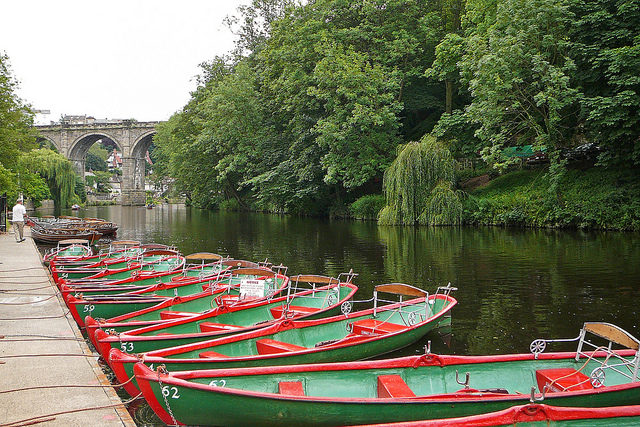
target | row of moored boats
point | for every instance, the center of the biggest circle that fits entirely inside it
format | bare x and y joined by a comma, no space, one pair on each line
51,230
210,340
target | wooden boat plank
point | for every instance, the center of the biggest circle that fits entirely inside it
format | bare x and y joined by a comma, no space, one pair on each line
401,289
612,333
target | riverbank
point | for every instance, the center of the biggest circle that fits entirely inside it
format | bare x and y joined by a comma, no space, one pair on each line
67,388
594,198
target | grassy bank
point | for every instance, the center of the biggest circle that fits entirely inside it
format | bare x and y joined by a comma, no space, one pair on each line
594,198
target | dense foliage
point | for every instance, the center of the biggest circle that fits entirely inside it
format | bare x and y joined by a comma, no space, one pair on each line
16,134
418,185
57,172
307,113
595,198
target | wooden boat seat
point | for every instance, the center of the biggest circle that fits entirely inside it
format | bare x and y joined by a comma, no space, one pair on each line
393,386
294,310
170,314
562,379
212,355
269,346
373,327
291,388
217,327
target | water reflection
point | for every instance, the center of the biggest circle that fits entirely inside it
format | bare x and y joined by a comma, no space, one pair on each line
514,285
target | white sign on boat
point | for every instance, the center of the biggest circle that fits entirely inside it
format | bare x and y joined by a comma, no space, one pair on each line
251,288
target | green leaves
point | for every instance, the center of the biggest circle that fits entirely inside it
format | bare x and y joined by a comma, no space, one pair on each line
56,170
16,134
410,181
518,73
358,130
606,46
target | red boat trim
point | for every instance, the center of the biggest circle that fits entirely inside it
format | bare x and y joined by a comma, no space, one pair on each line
180,378
116,360
147,392
159,356
136,334
523,414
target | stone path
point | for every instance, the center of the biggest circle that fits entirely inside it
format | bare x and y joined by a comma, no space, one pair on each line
33,322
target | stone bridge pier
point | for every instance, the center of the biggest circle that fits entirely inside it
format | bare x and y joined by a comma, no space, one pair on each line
132,139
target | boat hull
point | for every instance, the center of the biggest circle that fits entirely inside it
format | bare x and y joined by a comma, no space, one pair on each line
345,394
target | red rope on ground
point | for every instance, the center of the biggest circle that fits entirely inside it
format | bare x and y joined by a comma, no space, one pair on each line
27,303
30,421
37,318
68,385
22,269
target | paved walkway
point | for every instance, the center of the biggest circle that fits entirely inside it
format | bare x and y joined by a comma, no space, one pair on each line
31,313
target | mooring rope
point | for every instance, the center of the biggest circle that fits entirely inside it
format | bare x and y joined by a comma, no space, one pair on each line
50,417
37,317
22,269
38,387
16,292
13,282
13,356
29,302
44,339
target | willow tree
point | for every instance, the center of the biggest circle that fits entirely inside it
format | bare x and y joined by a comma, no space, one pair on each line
419,186
56,170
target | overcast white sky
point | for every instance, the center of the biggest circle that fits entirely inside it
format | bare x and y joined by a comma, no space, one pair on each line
112,59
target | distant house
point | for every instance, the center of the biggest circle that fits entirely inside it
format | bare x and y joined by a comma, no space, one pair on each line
114,160
78,120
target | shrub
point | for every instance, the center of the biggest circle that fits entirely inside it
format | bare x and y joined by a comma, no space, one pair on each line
443,206
367,207
231,205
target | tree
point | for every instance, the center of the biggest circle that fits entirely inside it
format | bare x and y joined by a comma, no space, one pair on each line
100,181
605,37
179,150
346,80
418,186
56,170
360,126
445,67
96,158
16,133
518,72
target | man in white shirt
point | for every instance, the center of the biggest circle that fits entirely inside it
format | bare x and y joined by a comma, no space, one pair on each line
19,212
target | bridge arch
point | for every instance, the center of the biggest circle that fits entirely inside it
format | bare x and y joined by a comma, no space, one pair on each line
50,140
80,147
133,138
135,163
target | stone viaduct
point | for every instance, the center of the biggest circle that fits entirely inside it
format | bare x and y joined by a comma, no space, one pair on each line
132,138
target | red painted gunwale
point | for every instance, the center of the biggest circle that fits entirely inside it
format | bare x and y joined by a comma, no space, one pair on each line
524,413
402,362
144,375
93,325
128,286
162,301
157,357
105,272
103,341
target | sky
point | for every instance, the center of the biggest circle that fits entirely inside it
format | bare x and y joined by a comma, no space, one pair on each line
116,59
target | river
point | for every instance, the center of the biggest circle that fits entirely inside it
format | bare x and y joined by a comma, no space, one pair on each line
514,285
